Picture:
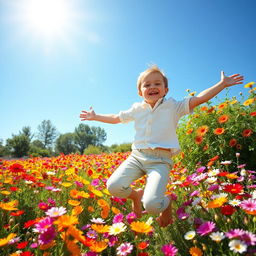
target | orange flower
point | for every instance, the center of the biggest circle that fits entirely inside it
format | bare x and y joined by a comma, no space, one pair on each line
66,221
5,241
217,202
195,251
232,142
219,131
143,245
201,131
223,119
115,210
204,108
100,228
90,209
198,139
76,233
74,193
73,247
73,202
205,147
141,227
10,206
77,210
222,105
98,246
247,132
189,131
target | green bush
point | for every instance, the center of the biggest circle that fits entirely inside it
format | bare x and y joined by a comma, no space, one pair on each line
223,129
93,150
124,147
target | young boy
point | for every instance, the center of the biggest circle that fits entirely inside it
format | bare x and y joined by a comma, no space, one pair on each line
155,140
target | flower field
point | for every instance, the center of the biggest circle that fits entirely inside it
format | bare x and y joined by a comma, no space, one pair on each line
60,206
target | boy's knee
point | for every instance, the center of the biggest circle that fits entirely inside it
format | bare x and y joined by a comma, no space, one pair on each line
153,206
116,189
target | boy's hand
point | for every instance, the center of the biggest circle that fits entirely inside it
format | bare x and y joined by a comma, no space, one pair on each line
87,115
231,80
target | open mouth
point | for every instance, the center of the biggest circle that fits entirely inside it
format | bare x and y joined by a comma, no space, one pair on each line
153,93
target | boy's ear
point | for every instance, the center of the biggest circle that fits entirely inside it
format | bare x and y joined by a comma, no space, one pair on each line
166,90
139,92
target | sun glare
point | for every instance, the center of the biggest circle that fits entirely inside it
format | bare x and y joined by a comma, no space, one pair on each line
47,18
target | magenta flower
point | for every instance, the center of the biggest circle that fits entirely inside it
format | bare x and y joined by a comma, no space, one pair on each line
92,234
213,187
118,218
234,233
47,236
43,225
206,228
249,238
52,202
131,217
95,182
201,169
169,250
79,184
248,205
194,193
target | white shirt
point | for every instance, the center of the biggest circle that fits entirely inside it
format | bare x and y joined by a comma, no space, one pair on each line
156,127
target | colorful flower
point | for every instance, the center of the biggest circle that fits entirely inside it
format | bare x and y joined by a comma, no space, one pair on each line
206,228
124,249
117,228
237,246
56,212
169,250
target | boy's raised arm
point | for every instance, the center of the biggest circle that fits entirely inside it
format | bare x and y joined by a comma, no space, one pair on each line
92,116
209,93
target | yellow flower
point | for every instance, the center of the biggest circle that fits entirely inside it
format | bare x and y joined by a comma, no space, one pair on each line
66,184
98,246
74,202
11,206
141,227
97,192
70,171
6,193
5,241
195,251
249,85
231,176
248,102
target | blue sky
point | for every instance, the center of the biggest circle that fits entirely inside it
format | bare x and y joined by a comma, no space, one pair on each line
93,58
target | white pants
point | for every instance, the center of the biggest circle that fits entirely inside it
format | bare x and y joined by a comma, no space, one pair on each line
156,164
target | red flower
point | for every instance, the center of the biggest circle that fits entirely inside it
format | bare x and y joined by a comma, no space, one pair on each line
143,254
26,253
247,132
232,142
13,189
21,245
143,245
30,223
214,158
16,168
227,209
17,213
233,188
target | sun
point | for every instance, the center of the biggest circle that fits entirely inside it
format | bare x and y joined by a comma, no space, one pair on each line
47,19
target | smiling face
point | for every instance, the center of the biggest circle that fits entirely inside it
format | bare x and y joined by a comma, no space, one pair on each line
153,88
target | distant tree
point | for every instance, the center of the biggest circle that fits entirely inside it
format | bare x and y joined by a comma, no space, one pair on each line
18,145
26,130
84,137
93,150
100,135
2,148
37,143
47,133
65,143
124,147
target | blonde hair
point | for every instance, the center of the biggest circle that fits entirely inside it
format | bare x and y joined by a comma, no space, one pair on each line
152,69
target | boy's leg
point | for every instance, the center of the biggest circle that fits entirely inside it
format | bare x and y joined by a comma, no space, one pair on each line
119,182
154,198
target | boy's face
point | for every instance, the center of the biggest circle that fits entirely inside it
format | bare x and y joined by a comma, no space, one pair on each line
152,88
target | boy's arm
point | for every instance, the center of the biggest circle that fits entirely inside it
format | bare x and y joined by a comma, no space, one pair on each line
209,93
92,116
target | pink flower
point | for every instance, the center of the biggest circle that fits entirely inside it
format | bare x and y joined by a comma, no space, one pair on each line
206,228
249,204
118,218
124,249
47,236
43,225
249,238
169,250
234,233
131,217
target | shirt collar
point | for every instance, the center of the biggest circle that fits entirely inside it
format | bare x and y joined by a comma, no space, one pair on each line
159,102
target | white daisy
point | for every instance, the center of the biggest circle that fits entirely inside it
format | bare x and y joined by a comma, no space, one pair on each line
190,235
237,246
211,180
98,220
234,202
213,172
217,236
117,228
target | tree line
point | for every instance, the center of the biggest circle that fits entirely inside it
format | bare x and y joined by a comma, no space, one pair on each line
48,142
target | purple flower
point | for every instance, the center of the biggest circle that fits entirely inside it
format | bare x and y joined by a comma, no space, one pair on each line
118,218
169,250
47,236
234,233
183,216
206,228
95,182
213,187
194,193
92,234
